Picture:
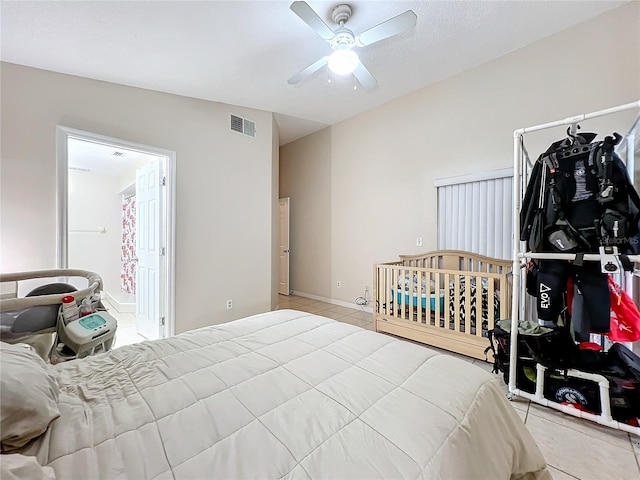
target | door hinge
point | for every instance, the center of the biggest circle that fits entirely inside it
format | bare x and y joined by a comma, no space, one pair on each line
162,321
164,181
162,251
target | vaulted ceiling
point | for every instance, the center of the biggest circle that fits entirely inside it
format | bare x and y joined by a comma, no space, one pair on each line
243,52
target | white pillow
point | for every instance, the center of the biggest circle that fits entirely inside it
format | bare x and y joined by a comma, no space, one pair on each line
16,467
28,396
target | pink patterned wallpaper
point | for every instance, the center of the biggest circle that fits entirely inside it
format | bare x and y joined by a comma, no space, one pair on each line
128,266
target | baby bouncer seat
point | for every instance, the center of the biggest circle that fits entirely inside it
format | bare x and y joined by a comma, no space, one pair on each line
36,318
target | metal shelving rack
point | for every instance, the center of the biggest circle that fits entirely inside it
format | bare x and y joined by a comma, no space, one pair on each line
520,257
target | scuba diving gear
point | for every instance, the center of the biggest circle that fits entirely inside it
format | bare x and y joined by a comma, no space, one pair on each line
555,349
552,284
579,198
580,187
561,236
609,262
580,323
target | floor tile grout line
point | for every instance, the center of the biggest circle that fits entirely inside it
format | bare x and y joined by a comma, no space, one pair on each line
561,470
575,429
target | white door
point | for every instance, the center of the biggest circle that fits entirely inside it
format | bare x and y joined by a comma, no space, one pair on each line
148,250
283,285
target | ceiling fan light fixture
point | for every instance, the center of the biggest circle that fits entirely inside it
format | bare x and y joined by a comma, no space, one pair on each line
343,61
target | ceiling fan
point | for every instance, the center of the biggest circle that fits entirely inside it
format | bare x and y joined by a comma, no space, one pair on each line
344,60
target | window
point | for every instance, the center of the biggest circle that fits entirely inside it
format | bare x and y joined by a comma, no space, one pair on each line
475,213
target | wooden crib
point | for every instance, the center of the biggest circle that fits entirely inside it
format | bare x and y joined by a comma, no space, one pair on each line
425,298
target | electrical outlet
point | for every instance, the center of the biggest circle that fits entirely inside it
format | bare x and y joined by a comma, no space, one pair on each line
338,284
419,242
229,304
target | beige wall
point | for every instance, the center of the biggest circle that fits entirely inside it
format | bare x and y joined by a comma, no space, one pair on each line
382,164
225,187
305,177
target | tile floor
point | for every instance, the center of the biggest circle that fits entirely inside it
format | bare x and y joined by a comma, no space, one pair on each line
126,333
574,448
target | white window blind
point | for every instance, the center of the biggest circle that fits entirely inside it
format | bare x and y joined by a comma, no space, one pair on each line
475,213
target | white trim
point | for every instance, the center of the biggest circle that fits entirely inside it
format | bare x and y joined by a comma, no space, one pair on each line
473,177
62,244
287,202
332,301
62,190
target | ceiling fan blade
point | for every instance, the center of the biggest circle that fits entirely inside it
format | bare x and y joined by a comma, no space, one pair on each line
365,78
311,18
314,67
391,27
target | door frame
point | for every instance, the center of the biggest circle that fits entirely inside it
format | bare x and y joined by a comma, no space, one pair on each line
287,202
63,134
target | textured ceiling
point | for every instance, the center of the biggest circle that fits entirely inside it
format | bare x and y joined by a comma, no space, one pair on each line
243,52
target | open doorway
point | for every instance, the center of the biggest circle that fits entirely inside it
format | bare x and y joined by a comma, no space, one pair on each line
283,274
116,217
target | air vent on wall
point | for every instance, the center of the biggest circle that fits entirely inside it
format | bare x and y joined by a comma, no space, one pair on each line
242,125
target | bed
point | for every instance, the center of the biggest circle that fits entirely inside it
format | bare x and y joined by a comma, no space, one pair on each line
284,394
447,298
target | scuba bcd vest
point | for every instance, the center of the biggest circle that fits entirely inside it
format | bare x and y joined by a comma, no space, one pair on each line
579,197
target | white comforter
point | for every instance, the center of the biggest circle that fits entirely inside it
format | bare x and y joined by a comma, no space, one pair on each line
284,394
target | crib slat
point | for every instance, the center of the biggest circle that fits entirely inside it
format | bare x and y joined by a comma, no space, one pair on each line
402,296
490,296
411,298
435,311
378,295
427,310
480,311
447,300
391,276
456,302
421,275
467,304
400,309
387,290
422,278
380,299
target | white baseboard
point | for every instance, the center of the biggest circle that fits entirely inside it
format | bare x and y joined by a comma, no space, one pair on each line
119,306
353,305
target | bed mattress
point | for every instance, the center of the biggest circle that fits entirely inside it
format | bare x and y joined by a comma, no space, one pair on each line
407,301
284,394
